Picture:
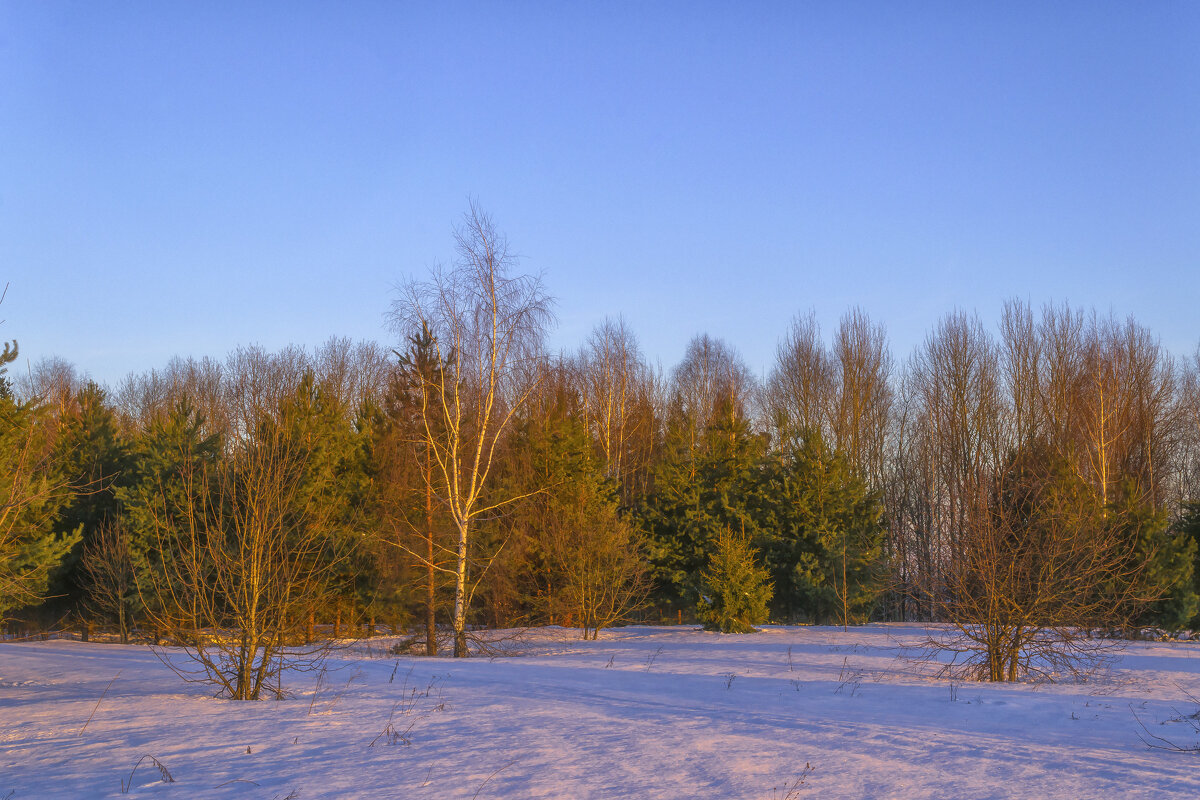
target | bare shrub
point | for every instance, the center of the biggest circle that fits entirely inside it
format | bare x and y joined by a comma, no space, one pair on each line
111,583
596,555
1041,565
246,555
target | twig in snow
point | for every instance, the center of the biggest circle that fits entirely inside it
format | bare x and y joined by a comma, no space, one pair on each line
97,706
494,774
791,791
653,656
1159,743
355,675
126,785
317,689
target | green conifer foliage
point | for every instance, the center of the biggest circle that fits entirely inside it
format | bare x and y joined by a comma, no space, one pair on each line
735,591
699,493
1167,559
1187,530
571,556
173,445
824,542
95,461
32,493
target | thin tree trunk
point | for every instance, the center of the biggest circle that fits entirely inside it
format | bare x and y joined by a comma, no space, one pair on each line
460,594
430,574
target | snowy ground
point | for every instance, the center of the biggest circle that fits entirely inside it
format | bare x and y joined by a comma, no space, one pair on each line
642,713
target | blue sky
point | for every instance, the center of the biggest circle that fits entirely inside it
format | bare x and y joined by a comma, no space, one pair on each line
180,179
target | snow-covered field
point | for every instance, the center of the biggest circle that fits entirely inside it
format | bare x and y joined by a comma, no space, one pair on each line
642,713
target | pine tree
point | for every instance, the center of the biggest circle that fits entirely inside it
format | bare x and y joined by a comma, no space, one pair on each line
1187,530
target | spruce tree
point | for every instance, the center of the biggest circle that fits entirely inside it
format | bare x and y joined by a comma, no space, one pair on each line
580,558
332,444
735,590
824,543
699,493
94,459
1167,559
32,493
175,444
1187,530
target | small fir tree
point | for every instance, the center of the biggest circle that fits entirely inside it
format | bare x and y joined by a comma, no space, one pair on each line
1167,557
1186,529
736,590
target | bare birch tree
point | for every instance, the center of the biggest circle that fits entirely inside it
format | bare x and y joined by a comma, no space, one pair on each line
1062,374
1187,474
863,367
1020,356
801,387
955,400
612,378
488,325
711,385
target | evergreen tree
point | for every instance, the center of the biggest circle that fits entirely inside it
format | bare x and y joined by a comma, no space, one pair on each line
578,559
407,465
334,445
94,458
817,525
735,590
171,460
1187,530
32,493
823,543
1167,559
698,494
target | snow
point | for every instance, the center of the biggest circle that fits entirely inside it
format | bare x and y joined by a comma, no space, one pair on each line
645,712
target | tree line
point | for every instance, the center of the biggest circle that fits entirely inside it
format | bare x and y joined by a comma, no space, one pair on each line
1036,478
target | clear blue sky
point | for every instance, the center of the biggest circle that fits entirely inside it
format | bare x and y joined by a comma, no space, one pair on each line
182,178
